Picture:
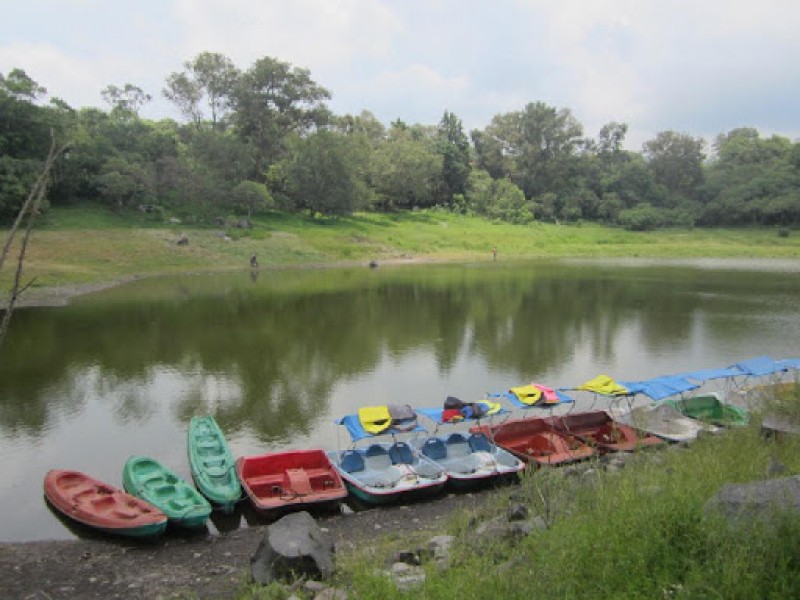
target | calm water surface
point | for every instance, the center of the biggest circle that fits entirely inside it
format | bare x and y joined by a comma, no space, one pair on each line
277,356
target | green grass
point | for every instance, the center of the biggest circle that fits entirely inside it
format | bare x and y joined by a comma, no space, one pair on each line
90,244
638,533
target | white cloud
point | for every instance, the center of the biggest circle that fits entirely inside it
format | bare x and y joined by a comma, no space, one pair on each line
313,34
76,81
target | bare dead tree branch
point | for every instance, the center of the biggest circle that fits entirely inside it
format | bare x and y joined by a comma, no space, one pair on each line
31,208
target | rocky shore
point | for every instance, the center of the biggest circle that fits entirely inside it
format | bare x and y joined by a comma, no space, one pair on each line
199,566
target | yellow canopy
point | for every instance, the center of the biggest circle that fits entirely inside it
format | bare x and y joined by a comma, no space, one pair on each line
375,419
603,384
528,394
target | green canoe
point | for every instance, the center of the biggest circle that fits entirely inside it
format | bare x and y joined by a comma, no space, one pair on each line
151,481
212,464
710,409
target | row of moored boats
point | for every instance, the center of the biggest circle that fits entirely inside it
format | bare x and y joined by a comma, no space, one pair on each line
399,453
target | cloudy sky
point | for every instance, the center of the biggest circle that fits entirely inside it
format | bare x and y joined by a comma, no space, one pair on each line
701,67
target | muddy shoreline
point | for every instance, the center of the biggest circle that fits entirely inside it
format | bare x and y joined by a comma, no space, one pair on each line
195,566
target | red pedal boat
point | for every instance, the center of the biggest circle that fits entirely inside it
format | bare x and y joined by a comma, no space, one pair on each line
535,440
292,479
102,506
598,429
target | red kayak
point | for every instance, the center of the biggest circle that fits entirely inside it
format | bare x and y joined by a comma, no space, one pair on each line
102,506
291,479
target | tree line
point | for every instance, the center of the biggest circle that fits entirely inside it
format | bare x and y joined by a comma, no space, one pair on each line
264,139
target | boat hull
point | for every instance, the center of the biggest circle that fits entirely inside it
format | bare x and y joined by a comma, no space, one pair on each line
212,464
710,408
665,422
398,480
151,481
470,461
101,506
290,480
535,441
598,429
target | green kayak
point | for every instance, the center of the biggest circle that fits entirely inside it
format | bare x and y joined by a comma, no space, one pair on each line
710,409
212,464
151,481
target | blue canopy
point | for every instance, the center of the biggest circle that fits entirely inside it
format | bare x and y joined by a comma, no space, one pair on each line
435,414
357,431
659,388
708,374
761,365
517,403
788,363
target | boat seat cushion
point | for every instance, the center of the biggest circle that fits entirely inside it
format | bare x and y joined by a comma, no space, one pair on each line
478,442
351,461
377,457
457,445
400,453
216,471
299,482
434,449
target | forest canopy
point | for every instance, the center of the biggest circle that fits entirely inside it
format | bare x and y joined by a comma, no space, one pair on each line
264,139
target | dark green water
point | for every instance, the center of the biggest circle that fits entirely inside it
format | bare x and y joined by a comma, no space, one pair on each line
277,356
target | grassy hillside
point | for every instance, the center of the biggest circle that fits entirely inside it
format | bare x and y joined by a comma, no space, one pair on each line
86,244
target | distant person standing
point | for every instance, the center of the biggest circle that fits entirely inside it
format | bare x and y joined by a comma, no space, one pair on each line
494,252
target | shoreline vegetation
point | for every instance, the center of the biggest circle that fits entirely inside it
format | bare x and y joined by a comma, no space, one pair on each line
86,248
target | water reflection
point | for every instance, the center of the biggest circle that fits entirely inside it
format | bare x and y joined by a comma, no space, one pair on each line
276,355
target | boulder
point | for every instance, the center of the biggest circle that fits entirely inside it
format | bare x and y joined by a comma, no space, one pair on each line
779,426
756,500
293,547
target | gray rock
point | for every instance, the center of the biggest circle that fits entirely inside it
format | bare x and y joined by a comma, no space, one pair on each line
517,512
440,546
407,577
779,426
758,499
331,594
293,547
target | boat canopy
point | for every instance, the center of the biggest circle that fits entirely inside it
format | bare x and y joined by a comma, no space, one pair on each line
709,374
517,403
757,367
788,363
357,431
659,388
603,384
436,414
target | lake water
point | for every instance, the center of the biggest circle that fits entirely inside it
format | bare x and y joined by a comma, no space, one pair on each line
277,356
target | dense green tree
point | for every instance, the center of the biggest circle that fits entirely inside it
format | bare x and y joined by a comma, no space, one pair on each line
321,174
405,172
752,181
536,147
272,100
125,101
364,125
25,137
453,145
251,197
497,199
209,75
676,161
